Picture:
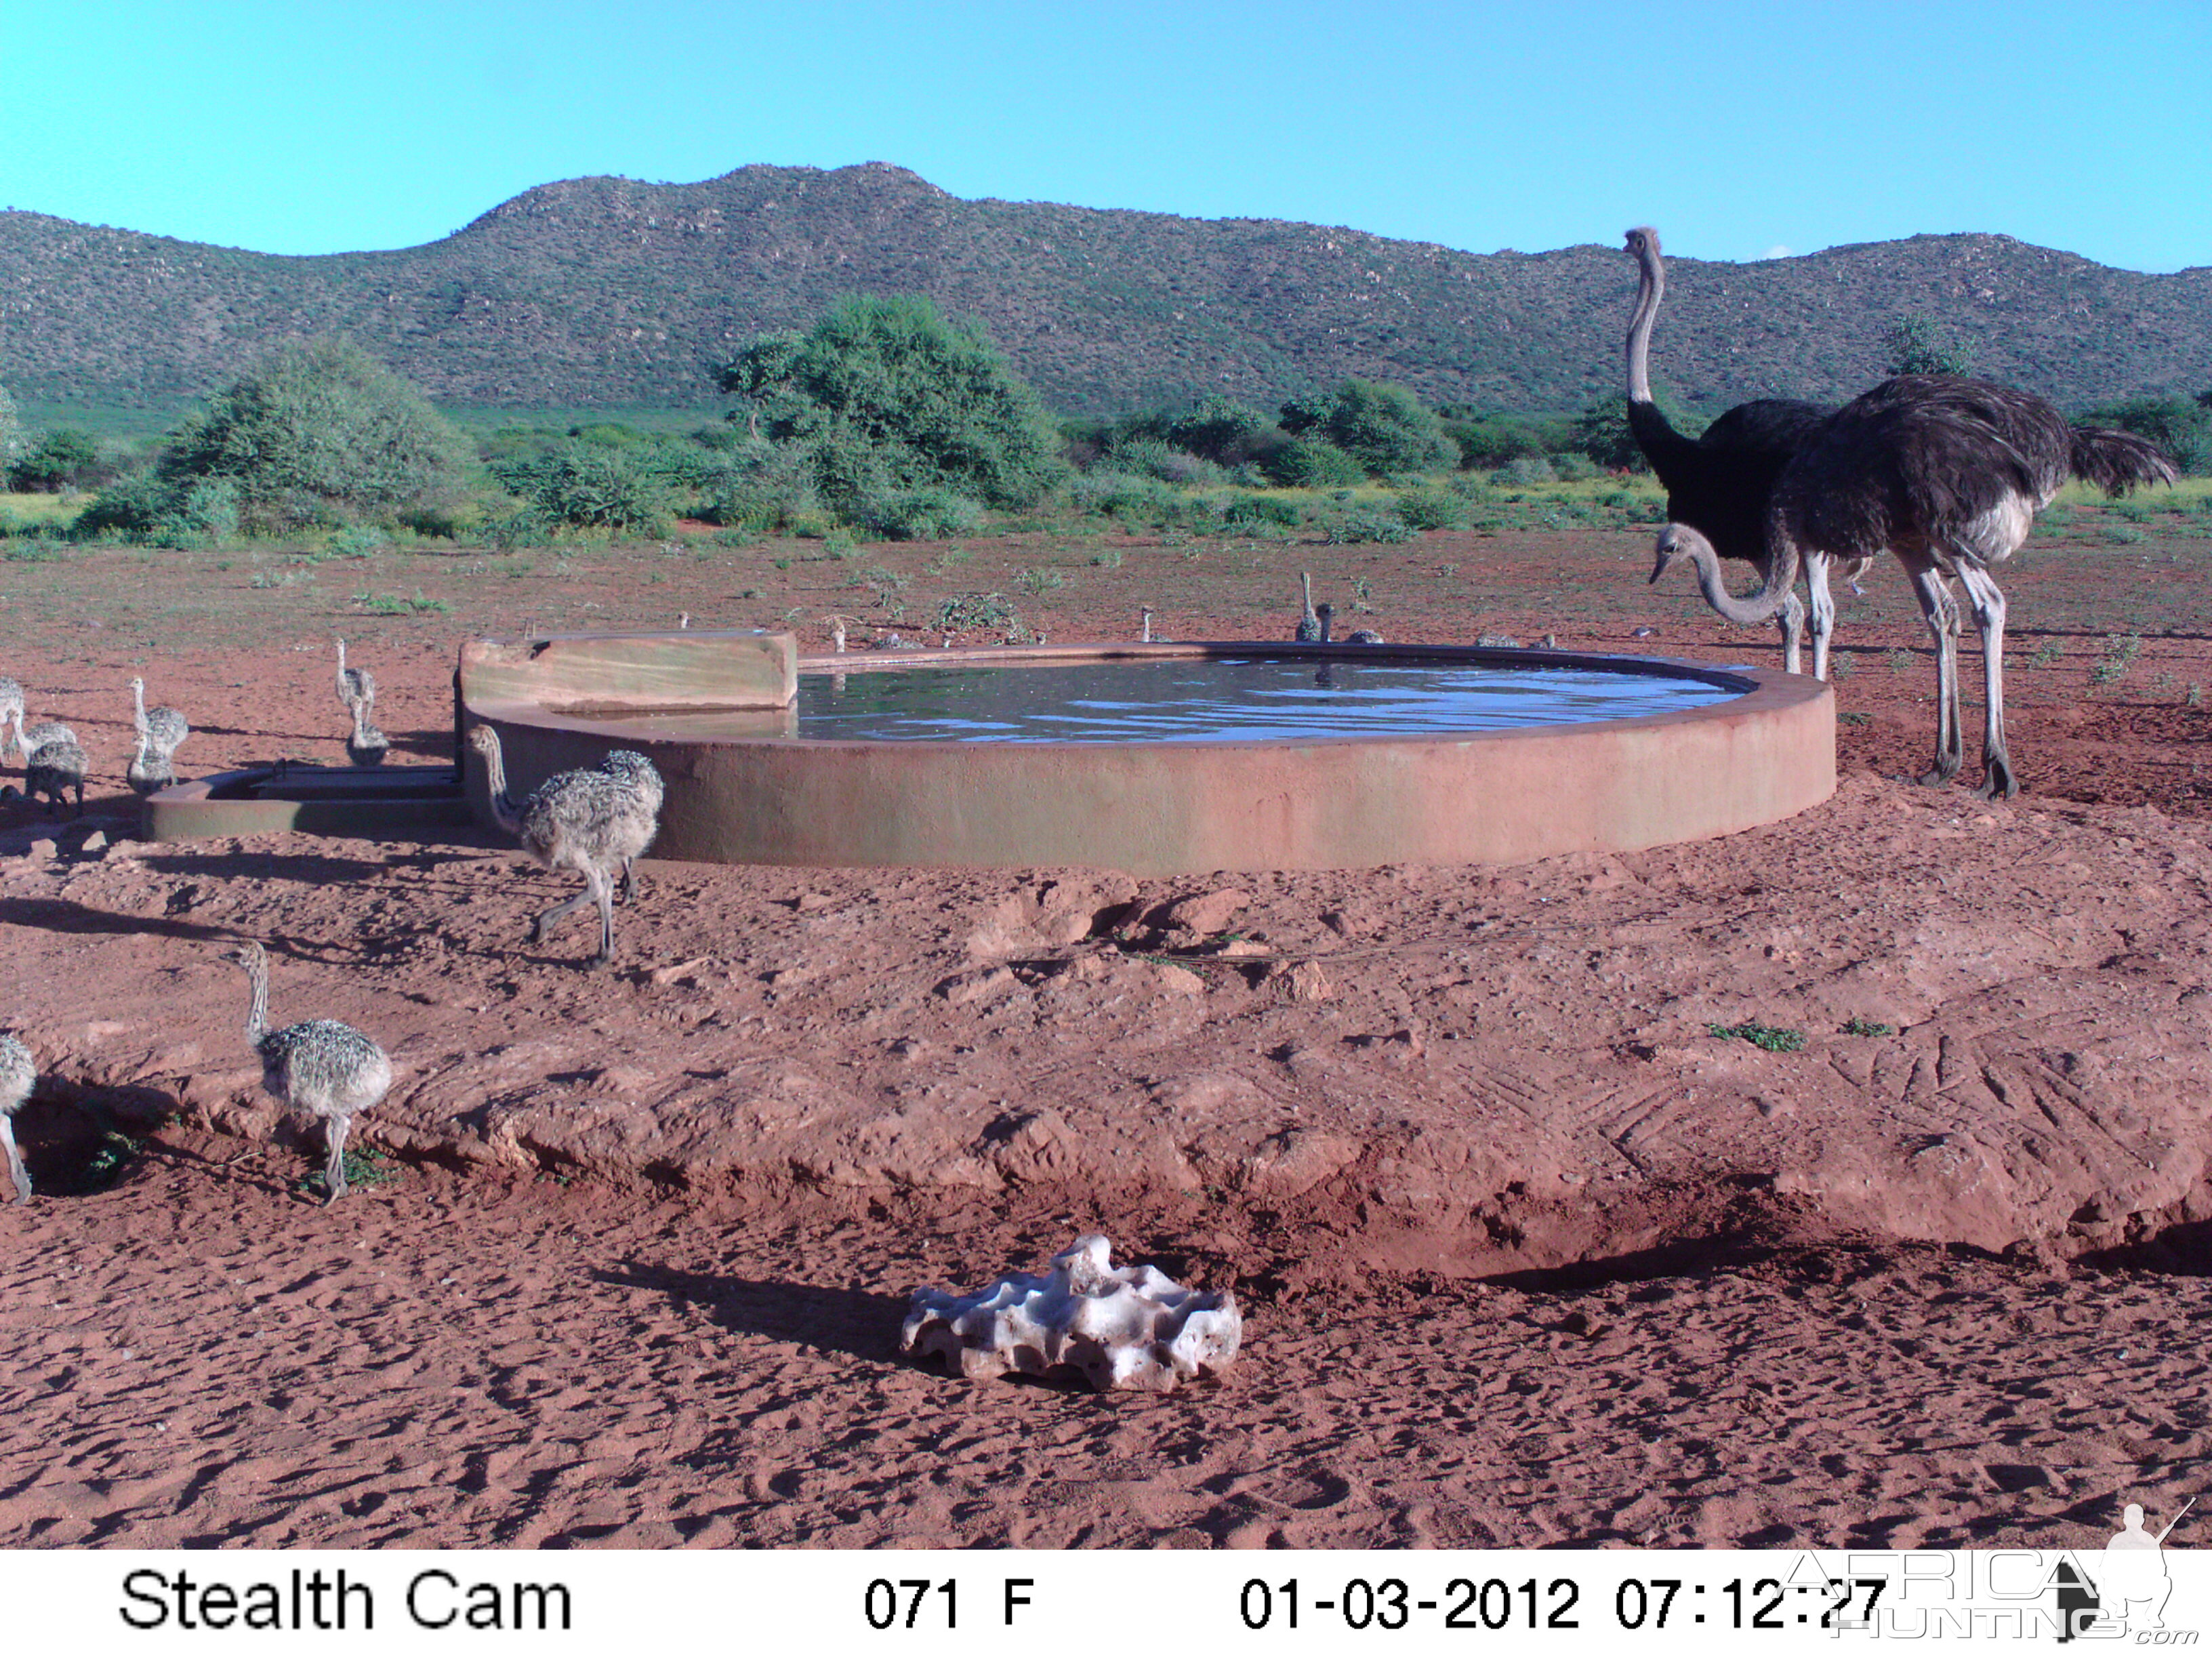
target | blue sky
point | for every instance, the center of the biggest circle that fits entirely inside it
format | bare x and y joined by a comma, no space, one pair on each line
1742,130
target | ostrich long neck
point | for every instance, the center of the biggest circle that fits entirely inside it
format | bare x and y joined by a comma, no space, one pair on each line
257,1013
138,706
1655,435
1753,608
496,777
1650,286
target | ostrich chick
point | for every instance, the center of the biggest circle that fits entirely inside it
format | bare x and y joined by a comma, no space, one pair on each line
18,1074
149,769
52,770
163,730
320,1066
355,684
28,740
590,822
367,746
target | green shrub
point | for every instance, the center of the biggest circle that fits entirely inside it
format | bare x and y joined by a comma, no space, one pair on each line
1152,457
1525,470
599,486
64,458
1366,524
1314,462
14,440
1917,346
527,528
1573,468
1385,428
884,394
928,514
1247,510
319,432
1426,507
359,541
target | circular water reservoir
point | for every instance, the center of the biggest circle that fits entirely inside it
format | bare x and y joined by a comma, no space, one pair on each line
1187,758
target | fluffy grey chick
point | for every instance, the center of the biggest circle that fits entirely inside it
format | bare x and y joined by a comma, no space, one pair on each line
367,746
18,1074
163,729
592,821
26,740
52,770
149,769
320,1066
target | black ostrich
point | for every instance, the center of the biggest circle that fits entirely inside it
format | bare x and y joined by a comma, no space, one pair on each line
1949,475
1720,482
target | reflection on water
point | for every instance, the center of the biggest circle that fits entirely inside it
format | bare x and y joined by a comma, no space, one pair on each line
1223,699
1220,699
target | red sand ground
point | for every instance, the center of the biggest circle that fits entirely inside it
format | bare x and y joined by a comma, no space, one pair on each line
1528,1256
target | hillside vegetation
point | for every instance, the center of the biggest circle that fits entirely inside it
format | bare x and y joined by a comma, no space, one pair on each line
599,292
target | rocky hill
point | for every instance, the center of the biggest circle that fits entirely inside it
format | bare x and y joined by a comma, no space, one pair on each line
610,291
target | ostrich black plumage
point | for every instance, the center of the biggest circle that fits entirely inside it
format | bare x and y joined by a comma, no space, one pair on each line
1719,482
1949,475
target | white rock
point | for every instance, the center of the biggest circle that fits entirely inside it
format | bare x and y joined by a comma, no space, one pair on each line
1121,1328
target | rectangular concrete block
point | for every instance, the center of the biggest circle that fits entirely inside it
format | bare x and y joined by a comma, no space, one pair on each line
587,674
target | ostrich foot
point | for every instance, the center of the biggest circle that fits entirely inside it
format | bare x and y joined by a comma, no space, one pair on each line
1939,774
1999,784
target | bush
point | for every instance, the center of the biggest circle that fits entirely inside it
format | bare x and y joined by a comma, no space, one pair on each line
1243,510
1573,468
1153,458
883,394
1917,346
1366,524
319,432
64,458
928,514
1527,469
1425,507
13,439
596,486
1385,428
1309,462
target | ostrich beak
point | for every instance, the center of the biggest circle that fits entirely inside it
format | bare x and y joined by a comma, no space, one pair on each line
1665,554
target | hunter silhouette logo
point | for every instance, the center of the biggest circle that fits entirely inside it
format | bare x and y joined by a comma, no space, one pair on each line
2126,1587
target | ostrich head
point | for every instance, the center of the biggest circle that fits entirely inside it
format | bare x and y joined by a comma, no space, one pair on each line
1676,542
1644,243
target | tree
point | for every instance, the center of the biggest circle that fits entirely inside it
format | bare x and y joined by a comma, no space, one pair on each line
1915,346
63,457
1386,428
316,430
885,396
12,439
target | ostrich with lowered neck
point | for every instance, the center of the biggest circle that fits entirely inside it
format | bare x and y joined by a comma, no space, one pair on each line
1949,475
590,822
320,1066
1719,482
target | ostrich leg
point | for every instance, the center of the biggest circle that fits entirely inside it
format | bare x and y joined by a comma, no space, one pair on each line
1942,614
17,1172
560,912
1998,781
1790,620
602,890
1823,609
334,1180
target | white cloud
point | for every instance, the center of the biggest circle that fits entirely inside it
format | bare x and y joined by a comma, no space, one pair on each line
1777,251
